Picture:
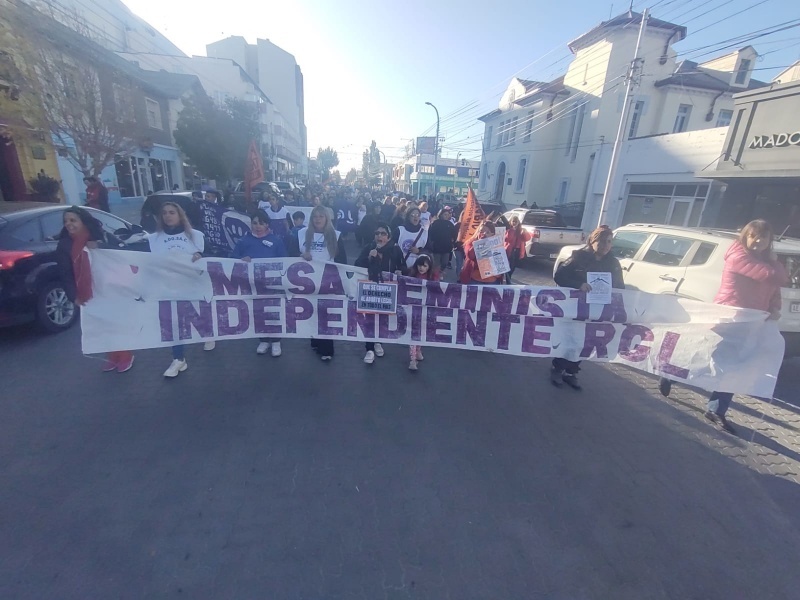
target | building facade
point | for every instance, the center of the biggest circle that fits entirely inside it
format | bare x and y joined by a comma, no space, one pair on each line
545,141
415,175
760,164
280,77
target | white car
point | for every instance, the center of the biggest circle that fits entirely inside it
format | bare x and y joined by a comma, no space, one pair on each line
688,262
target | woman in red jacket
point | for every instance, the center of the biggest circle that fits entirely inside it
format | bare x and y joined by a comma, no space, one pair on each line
752,278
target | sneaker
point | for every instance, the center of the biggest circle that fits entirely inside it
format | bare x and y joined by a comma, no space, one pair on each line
555,376
419,354
209,345
378,350
109,366
665,387
412,366
262,348
326,357
571,381
176,367
125,365
369,357
276,349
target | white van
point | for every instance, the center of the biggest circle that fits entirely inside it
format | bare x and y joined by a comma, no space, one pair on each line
688,262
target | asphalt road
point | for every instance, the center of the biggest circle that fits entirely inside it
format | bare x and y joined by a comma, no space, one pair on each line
253,477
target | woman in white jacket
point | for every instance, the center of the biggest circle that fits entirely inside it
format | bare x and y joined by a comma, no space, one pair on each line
174,233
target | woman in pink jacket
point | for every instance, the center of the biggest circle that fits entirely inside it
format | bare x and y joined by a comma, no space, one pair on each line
752,278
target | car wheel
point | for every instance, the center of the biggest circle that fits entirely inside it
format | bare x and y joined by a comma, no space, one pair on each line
54,311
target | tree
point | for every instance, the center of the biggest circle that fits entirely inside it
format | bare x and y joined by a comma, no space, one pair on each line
336,177
81,87
216,140
327,158
351,177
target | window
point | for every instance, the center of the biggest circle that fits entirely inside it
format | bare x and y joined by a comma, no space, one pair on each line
638,107
109,222
425,169
724,118
483,176
500,133
52,223
682,120
528,128
153,114
523,167
512,96
38,153
488,139
453,171
703,253
512,133
29,231
744,68
563,188
627,243
573,117
542,219
668,250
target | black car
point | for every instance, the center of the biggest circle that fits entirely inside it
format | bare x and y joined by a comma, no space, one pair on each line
30,283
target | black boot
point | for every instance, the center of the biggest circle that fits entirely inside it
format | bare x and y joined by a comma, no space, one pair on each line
571,380
665,387
555,376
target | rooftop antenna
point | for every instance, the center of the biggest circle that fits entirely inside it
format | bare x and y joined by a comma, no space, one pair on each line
611,11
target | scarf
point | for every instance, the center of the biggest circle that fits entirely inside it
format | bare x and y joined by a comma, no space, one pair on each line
81,268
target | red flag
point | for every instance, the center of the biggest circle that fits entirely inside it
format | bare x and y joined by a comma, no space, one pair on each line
471,217
253,170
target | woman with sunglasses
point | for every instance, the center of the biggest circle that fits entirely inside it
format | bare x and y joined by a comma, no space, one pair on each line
378,257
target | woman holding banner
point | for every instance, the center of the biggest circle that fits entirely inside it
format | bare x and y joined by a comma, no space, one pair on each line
174,234
751,278
595,257
320,241
261,242
81,230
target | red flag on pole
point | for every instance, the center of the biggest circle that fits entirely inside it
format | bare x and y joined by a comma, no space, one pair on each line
253,170
471,217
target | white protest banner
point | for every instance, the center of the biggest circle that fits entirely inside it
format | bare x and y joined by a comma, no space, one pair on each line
491,255
146,300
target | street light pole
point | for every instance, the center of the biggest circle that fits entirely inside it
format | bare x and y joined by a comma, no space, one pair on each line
435,149
455,173
383,170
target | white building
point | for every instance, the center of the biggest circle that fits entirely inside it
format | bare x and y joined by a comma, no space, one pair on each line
549,143
415,175
278,74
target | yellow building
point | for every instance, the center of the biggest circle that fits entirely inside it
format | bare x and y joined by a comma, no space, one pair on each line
26,149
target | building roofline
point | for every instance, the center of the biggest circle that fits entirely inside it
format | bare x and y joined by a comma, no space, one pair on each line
624,20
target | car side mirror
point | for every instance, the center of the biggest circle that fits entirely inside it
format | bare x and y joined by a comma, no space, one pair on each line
136,228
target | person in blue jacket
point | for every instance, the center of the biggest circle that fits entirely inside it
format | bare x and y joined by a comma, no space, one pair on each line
261,242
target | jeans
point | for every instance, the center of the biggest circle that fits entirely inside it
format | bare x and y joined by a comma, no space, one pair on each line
323,347
370,346
567,366
177,352
720,402
440,260
269,340
459,261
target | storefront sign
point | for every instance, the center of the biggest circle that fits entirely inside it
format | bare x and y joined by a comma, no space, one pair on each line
776,140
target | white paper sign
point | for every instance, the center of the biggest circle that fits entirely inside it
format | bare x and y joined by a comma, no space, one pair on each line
491,255
601,287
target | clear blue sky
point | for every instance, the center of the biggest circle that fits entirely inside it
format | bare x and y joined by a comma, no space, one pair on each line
369,66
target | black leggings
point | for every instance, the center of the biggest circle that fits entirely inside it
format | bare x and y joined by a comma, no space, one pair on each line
568,366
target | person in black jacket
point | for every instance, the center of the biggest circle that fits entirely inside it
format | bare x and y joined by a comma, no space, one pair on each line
442,239
595,257
381,256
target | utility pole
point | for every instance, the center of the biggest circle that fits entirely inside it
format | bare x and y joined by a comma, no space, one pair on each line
435,149
633,73
455,172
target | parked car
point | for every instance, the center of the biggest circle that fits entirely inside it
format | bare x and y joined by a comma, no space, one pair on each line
284,186
572,213
30,283
239,195
549,233
688,262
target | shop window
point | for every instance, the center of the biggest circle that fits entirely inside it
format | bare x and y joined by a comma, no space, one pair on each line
668,250
627,243
688,191
697,212
157,175
38,153
651,189
124,177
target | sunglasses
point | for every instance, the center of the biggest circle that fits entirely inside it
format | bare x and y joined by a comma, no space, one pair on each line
381,232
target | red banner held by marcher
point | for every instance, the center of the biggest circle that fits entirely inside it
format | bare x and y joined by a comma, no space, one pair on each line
471,217
253,170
